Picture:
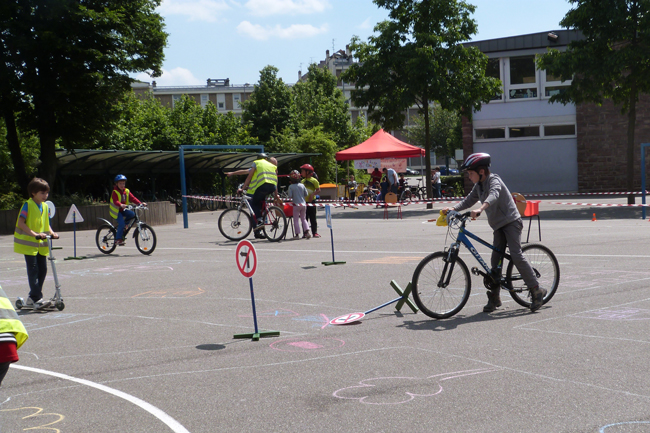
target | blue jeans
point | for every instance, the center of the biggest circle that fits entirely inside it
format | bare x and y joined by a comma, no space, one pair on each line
36,273
122,217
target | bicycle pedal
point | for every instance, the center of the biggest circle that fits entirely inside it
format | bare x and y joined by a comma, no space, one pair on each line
476,271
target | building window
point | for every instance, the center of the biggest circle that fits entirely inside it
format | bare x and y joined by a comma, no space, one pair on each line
236,99
493,70
522,78
554,130
204,100
490,133
175,100
523,131
554,85
221,101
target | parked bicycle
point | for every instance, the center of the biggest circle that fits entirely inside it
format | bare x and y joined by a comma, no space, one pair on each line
145,237
236,223
442,283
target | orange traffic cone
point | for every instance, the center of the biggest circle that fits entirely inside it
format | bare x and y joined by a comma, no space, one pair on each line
594,217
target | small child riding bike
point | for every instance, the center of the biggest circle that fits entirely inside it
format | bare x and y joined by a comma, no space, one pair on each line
504,218
120,199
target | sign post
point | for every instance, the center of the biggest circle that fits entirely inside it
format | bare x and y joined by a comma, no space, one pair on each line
328,219
246,259
72,217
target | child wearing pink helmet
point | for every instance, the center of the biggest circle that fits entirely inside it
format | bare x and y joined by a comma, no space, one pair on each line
297,193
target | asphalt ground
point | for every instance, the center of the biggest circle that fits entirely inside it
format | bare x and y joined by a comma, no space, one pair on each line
145,343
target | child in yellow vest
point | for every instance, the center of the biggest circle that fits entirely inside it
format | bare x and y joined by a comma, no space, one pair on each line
33,220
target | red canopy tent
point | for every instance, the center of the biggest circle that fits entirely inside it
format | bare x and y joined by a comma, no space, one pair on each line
380,145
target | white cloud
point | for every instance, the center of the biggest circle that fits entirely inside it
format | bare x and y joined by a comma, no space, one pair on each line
286,7
294,31
195,10
175,77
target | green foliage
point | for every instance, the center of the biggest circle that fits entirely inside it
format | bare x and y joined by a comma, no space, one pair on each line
66,62
611,62
445,131
269,109
312,140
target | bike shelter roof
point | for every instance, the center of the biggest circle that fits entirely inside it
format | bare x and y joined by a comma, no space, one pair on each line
110,162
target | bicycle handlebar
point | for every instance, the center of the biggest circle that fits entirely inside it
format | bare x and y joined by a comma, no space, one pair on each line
132,207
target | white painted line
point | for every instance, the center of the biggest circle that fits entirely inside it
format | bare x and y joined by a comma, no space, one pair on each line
174,425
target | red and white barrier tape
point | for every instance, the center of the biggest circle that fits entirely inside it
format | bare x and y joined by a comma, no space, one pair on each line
602,204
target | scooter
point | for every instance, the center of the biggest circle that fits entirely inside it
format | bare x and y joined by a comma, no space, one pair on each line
57,300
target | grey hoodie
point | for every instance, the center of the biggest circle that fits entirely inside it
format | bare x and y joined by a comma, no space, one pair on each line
501,210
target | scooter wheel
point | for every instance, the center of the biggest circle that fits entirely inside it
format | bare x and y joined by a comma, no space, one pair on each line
60,306
19,304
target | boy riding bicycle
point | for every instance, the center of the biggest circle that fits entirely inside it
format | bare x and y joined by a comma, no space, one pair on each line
504,218
121,197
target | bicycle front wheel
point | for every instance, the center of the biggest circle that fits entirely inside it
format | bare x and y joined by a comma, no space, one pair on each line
235,224
105,238
275,224
431,292
547,271
145,239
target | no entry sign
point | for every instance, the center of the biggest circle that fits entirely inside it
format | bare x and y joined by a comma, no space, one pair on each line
246,258
347,318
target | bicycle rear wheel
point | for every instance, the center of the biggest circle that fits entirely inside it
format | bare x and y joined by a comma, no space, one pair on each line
275,224
235,224
145,239
105,238
432,296
547,271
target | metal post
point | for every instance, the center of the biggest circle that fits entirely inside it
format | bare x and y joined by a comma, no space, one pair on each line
643,146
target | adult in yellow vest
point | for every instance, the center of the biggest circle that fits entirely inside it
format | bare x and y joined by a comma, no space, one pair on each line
121,197
12,334
261,181
33,220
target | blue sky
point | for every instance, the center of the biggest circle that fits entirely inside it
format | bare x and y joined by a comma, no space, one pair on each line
235,39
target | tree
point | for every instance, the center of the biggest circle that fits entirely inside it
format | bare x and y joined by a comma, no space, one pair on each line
611,62
270,107
445,131
416,58
319,102
64,64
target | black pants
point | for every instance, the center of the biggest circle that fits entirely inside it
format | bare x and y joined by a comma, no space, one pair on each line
4,367
258,197
36,273
311,216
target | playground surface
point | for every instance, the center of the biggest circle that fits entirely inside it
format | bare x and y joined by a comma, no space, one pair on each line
145,343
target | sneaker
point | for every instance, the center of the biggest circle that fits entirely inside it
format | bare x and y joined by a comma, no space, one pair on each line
307,235
537,294
120,242
36,305
259,235
296,237
316,235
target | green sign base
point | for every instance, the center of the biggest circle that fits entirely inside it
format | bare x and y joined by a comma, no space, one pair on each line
255,336
405,296
333,263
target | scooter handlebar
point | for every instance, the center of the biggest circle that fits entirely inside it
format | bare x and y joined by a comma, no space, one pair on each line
44,236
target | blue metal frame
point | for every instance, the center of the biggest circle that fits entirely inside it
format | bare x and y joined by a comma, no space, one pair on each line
181,155
462,237
643,146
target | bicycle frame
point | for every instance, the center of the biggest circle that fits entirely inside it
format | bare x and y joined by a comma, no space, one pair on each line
463,238
127,227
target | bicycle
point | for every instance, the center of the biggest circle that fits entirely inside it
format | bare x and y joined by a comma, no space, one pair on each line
145,237
236,223
442,284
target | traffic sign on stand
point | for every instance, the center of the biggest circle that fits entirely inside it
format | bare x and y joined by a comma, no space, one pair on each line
74,217
246,259
347,319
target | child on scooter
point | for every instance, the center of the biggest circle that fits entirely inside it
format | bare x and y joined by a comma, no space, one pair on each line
33,220
120,199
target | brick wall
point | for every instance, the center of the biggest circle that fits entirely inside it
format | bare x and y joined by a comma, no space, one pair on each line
602,144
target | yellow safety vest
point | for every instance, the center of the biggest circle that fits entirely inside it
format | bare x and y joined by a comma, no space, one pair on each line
114,210
264,173
9,321
38,221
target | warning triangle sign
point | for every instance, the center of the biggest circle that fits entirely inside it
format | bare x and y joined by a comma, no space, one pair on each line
73,216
